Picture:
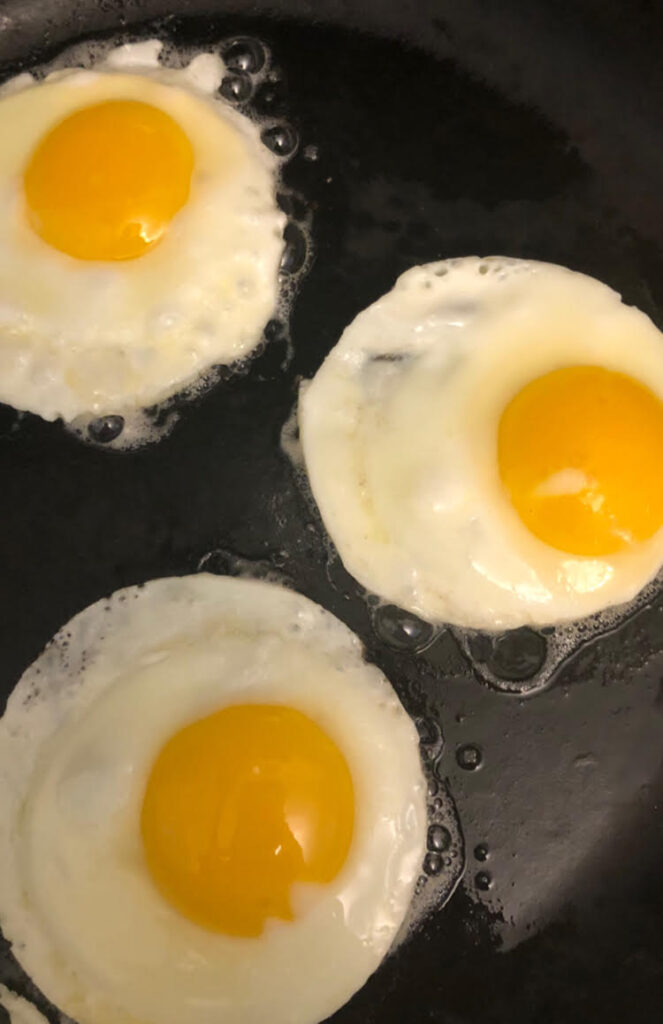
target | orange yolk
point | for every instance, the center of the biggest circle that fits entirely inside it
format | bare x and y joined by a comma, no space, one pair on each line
240,805
105,183
580,451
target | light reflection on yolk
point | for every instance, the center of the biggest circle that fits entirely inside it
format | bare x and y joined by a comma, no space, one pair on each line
238,807
580,452
105,183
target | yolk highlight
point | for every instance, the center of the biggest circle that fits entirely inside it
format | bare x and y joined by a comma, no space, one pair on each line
105,183
580,452
240,805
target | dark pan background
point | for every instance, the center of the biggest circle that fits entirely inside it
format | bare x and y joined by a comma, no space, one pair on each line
443,128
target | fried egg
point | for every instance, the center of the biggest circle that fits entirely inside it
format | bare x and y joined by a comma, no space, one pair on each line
212,809
484,444
141,237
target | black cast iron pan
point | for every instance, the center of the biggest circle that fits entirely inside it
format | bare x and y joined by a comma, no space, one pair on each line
426,130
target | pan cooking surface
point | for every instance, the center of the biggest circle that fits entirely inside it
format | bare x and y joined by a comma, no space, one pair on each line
402,158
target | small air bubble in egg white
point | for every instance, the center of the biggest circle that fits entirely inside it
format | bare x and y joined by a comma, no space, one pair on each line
245,287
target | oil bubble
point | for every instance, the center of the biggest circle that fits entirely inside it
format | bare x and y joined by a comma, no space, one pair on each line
236,88
420,885
444,860
295,251
274,330
120,433
105,429
481,852
243,54
483,881
429,731
517,661
281,139
524,661
518,655
469,757
401,630
439,838
515,656
433,864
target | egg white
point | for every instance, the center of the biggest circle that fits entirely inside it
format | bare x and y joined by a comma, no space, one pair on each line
19,1010
399,434
95,337
80,734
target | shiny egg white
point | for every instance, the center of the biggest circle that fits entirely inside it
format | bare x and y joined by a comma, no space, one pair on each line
86,337
399,436
77,742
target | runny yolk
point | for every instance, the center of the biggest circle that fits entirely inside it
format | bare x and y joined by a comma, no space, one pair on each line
240,805
105,183
580,452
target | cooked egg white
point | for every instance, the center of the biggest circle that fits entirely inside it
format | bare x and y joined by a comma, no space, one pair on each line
123,760
141,237
19,1010
483,444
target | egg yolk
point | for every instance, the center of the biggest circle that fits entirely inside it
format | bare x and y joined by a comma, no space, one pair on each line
105,183
240,805
580,452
